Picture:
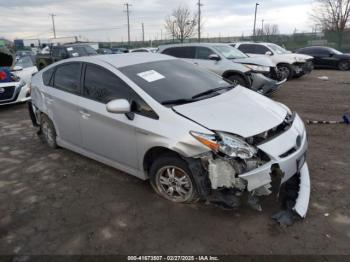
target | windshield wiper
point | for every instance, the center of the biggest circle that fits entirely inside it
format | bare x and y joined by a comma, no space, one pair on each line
211,91
178,101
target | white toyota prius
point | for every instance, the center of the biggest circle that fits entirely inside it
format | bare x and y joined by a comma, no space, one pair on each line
191,133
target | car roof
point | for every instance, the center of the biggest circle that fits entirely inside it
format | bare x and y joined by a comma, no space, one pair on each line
193,44
316,46
123,60
255,43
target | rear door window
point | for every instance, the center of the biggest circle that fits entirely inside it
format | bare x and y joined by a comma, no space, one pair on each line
203,53
261,50
247,48
67,77
188,52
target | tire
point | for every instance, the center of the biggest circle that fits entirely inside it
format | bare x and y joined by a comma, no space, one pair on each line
298,75
237,80
344,65
171,178
286,71
48,132
42,64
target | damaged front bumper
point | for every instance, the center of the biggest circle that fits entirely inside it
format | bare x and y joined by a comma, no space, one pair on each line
302,201
265,85
303,68
286,167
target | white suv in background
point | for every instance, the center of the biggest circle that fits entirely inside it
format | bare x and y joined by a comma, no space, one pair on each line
289,64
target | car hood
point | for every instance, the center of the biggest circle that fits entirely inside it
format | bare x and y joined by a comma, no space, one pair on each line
346,55
239,111
298,56
260,61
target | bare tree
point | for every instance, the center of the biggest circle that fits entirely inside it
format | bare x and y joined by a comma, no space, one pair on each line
268,32
333,15
181,24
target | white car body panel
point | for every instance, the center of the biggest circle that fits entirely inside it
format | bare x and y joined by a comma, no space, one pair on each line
263,113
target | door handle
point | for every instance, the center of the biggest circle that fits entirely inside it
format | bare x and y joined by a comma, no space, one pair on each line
196,63
84,114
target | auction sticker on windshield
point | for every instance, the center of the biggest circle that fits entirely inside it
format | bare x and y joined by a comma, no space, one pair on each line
151,76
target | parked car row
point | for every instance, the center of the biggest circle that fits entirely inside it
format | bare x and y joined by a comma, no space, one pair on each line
229,63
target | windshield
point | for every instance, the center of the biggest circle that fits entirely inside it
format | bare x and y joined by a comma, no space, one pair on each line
25,62
335,51
172,79
230,52
81,51
277,49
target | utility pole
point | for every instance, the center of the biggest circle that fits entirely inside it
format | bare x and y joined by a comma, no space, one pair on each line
127,14
53,24
256,10
143,33
262,25
199,19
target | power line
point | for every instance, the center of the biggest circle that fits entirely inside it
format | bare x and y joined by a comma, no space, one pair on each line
199,19
53,24
127,14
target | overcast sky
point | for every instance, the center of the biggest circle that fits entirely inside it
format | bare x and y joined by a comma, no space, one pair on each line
105,20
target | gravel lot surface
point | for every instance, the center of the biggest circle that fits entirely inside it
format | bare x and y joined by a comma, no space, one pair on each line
58,202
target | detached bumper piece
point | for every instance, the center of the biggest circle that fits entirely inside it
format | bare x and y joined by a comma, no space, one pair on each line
303,68
295,196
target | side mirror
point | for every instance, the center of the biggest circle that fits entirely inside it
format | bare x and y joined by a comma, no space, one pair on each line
331,54
214,57
17,68
269,53
119,106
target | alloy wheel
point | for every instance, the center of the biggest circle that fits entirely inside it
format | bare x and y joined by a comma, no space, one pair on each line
174,184
284,71
344,66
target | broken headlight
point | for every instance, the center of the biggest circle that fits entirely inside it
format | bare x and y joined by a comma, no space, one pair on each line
234,146
227,144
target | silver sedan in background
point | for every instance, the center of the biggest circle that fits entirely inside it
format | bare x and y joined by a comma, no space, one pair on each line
190,132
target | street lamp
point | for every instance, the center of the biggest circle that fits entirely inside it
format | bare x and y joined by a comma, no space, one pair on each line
256,10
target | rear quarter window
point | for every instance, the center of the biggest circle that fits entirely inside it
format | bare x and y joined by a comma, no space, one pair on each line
47,76
188,52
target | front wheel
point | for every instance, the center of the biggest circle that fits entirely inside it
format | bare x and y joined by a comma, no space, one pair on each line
286,71
171,178
237,80
344,66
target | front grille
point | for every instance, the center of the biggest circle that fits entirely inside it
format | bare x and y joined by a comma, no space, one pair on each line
272,133
6,92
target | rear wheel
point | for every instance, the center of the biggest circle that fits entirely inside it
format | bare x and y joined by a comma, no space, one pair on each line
171,178
286,71
48,132
237,80
344,65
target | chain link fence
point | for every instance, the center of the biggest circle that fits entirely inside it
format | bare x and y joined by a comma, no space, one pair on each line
290,42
